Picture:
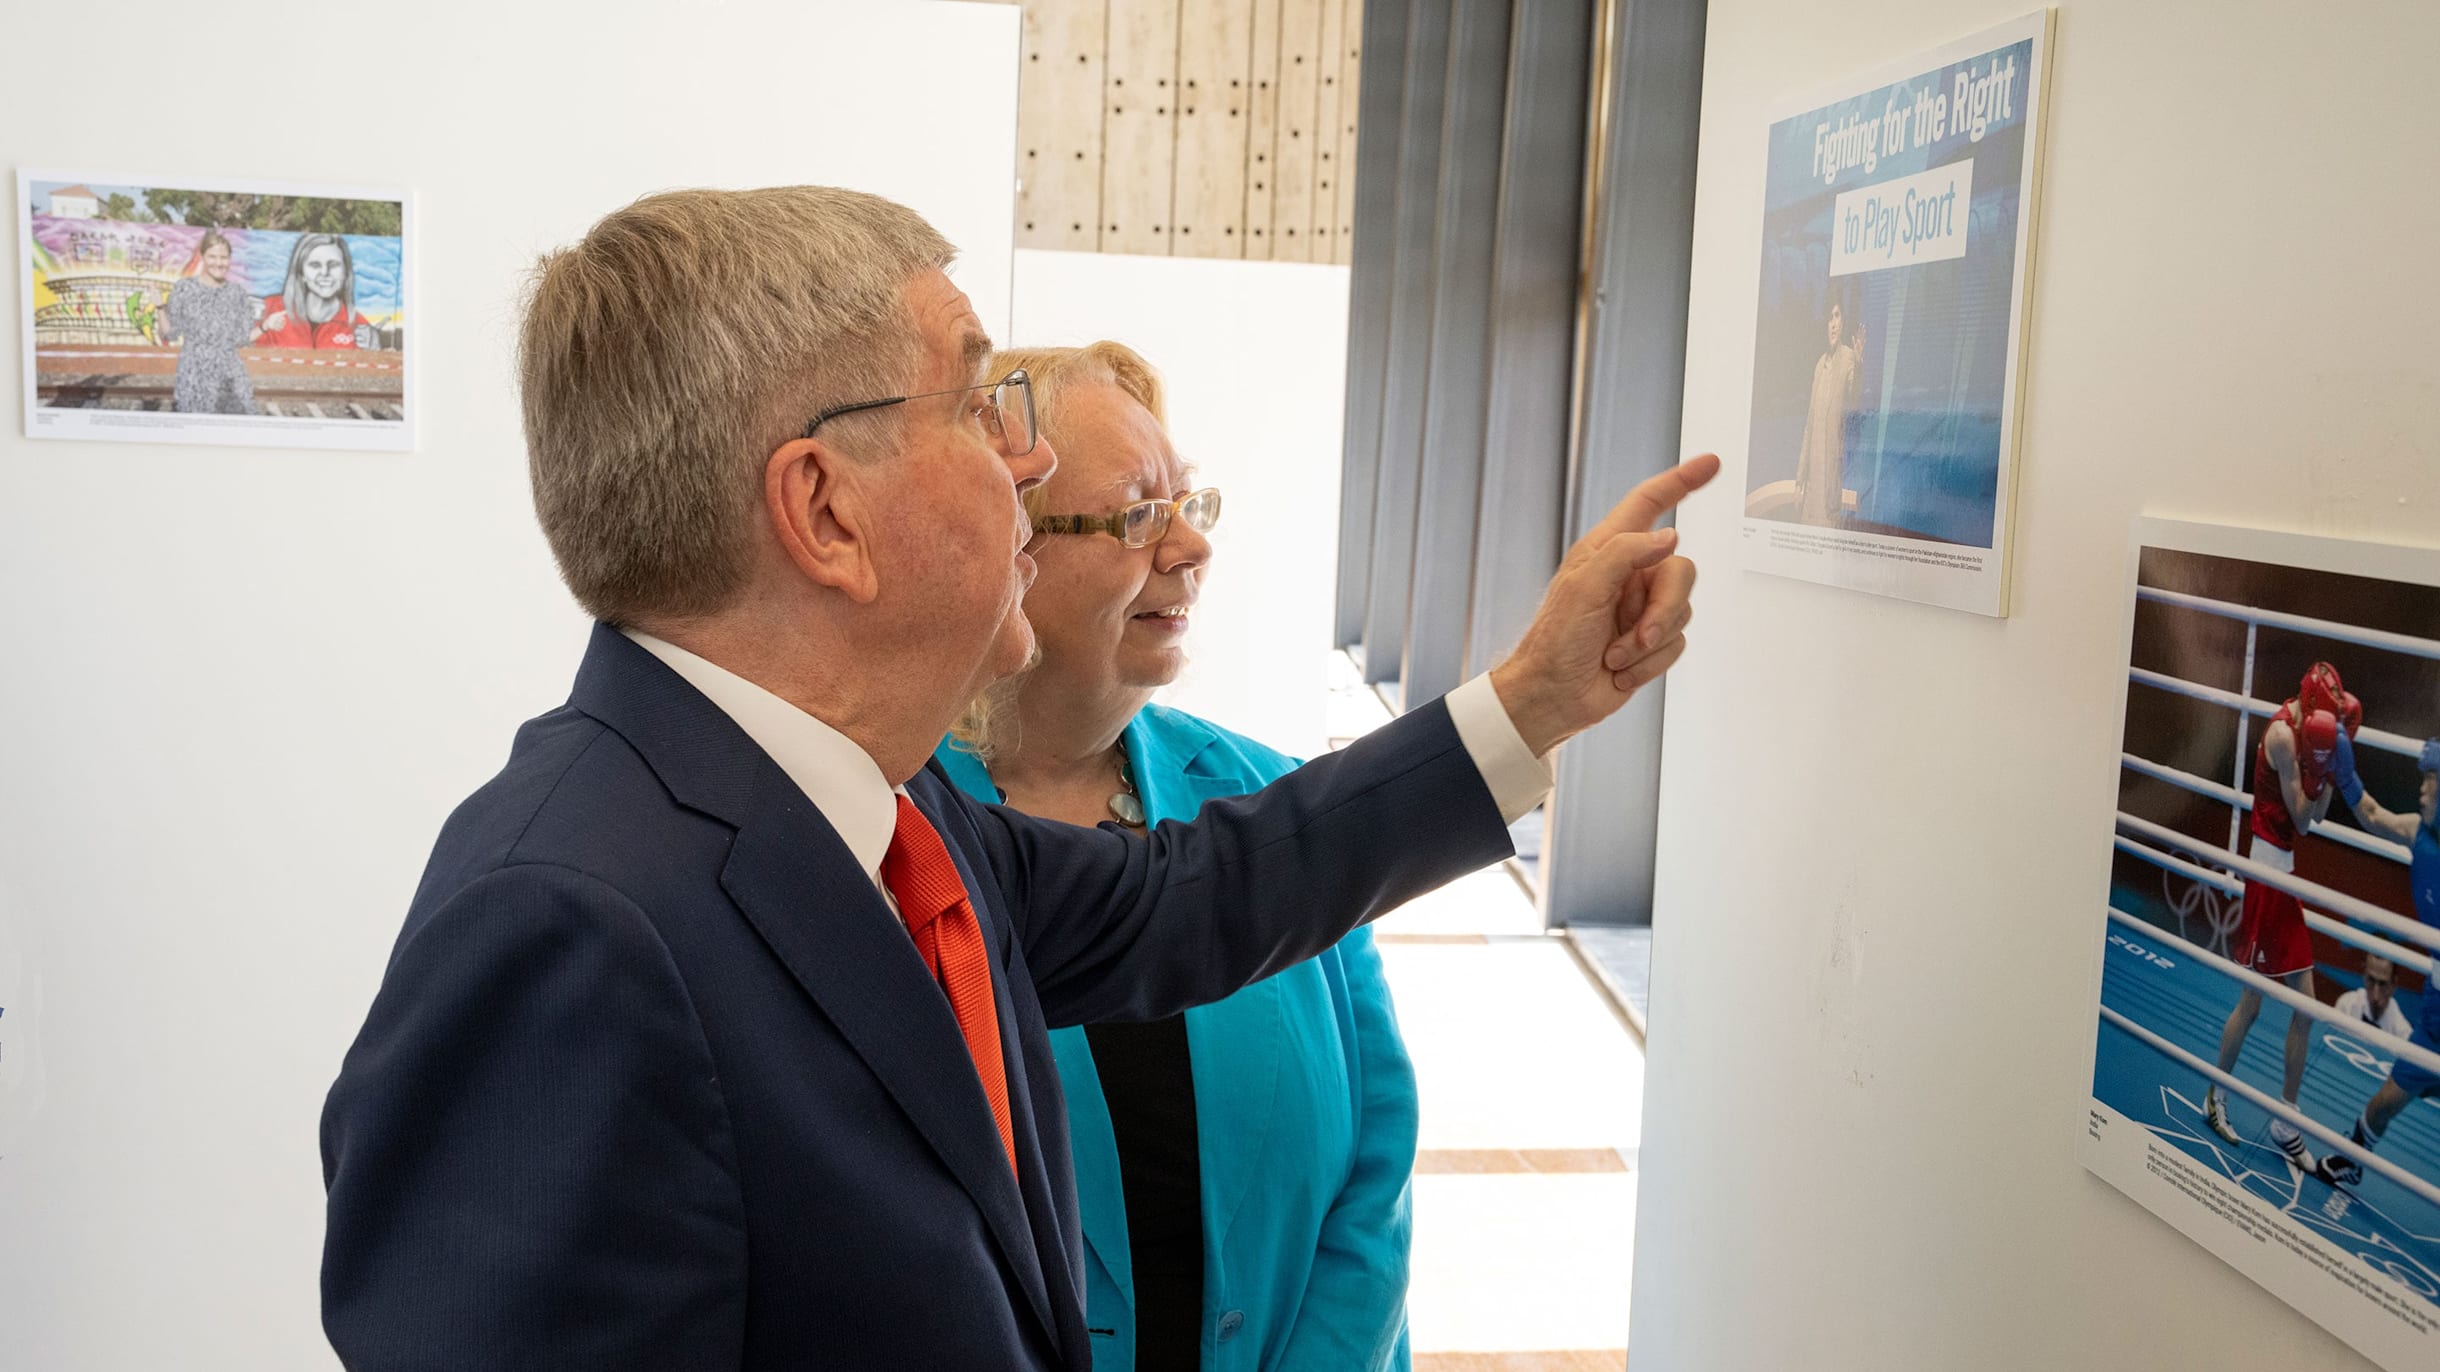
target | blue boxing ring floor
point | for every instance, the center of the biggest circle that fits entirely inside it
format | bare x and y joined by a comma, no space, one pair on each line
2392,1230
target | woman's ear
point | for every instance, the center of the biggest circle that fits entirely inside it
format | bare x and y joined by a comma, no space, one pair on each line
822,514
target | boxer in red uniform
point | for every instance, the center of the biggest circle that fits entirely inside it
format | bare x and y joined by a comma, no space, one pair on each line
2292,792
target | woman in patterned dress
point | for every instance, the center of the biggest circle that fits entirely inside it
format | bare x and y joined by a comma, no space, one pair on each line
210,317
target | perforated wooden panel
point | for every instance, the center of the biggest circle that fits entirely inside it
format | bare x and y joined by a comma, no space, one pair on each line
1209,128
1059,157
1215,55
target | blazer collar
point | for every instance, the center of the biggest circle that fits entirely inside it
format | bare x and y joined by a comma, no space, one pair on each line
806,894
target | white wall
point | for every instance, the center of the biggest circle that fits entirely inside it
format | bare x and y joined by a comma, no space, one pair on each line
1255,356
1884,827
240,689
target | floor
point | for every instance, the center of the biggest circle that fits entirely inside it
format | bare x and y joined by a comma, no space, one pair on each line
1532,1087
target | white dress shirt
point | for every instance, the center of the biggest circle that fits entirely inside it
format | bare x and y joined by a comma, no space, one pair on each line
2356,1005
846,785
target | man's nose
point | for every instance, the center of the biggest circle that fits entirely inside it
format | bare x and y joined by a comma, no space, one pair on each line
1035,467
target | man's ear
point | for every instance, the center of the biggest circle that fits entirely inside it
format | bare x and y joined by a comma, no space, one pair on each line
823,516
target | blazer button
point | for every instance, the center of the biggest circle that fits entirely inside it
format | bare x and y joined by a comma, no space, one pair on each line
1230,1323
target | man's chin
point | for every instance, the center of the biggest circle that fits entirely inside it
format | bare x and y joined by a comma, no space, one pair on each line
1017,651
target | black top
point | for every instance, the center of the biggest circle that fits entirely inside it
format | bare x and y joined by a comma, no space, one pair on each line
1148,1078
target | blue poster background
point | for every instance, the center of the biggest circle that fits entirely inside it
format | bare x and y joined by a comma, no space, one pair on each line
1922,441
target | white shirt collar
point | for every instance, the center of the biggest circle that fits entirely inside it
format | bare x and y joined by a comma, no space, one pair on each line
841,779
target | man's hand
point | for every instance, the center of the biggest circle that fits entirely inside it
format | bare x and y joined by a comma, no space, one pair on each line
1612,621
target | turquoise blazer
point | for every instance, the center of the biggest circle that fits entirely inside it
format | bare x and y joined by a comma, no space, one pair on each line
1305,1111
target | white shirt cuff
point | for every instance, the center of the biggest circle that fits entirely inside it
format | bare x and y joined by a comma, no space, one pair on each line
1518,780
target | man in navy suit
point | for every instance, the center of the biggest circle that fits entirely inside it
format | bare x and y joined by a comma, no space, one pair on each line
716,1033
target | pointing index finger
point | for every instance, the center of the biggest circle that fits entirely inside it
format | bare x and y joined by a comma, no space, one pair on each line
1656,497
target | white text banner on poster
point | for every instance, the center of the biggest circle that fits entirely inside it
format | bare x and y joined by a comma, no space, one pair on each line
1903,222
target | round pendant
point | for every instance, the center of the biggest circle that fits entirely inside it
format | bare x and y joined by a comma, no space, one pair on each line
1128,809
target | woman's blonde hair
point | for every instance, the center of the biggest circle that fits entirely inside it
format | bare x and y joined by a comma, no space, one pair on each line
988,729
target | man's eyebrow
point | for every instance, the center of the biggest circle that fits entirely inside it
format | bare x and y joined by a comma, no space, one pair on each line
977,352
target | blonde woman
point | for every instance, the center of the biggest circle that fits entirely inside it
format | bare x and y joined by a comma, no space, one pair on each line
1243,1167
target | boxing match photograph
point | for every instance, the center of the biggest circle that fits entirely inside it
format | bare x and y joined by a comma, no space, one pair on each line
2266,1071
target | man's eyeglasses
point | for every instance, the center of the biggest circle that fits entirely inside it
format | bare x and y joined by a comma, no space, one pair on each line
1003,409
1143,523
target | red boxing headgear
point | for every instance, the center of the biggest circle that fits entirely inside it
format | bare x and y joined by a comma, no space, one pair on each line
2316,742
2321,690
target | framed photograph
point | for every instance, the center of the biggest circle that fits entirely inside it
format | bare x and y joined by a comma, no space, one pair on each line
2266,1067
186,310
1897,240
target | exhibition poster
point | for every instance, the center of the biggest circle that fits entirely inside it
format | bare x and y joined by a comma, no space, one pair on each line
2266,1066
1897,237
186,310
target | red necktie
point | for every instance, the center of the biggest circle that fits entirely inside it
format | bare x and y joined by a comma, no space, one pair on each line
932,899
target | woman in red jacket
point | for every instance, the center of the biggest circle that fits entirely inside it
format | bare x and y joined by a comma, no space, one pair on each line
317,307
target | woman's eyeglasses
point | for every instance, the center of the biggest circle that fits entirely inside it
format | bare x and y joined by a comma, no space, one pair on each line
1143,523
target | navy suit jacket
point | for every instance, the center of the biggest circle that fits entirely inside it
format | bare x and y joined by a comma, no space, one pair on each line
655,1080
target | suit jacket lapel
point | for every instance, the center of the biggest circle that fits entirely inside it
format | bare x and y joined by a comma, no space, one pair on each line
795,881
804,892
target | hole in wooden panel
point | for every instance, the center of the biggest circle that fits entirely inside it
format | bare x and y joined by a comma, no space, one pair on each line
1232,83
1160,109
1190,109
1187,229
1162,82
1258,185
1118,80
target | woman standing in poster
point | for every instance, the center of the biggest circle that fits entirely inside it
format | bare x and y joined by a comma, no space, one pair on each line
1821,459
210,317
317,306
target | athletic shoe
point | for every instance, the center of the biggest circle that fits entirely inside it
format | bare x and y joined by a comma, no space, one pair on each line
2215,1115
2291,1143
2340,1170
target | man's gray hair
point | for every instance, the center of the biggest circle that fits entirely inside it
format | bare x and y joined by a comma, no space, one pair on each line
666,355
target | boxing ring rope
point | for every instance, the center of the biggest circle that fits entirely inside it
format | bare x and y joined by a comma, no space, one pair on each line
2354,838
2373,1034
2330,1139
2337,929
2357,910
2367,736
2303,624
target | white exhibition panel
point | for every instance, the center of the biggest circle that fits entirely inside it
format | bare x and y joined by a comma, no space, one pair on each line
1884,826
1254,355
243,687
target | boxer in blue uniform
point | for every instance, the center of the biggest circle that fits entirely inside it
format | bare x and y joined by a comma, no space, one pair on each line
2421,831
